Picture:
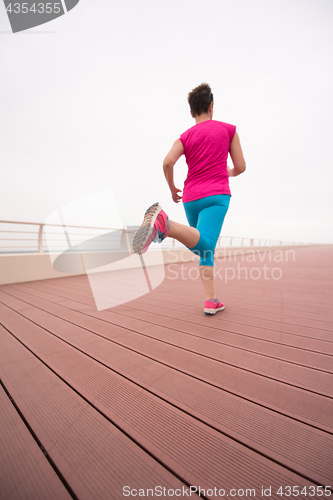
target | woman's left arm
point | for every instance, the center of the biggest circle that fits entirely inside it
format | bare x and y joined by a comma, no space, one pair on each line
174,154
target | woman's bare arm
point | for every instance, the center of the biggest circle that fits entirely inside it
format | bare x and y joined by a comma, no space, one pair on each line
237,157
174,154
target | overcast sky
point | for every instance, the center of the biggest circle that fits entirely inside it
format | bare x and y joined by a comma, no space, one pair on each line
95,99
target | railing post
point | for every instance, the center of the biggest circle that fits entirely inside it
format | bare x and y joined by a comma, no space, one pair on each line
128,241
40,238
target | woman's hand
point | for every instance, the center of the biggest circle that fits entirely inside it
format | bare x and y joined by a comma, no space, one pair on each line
175,196
174,154
230,171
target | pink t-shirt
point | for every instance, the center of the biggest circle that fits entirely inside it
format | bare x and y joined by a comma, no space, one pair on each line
206,147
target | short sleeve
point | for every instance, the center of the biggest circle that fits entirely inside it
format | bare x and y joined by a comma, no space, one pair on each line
182,139
231,131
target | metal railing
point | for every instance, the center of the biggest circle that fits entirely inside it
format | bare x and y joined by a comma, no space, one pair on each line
29,237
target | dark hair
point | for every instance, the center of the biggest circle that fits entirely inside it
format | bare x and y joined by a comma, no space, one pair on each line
200,98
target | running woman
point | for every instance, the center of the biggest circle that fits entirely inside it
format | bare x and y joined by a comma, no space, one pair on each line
206,193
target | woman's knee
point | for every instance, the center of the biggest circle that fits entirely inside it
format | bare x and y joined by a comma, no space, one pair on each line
207,258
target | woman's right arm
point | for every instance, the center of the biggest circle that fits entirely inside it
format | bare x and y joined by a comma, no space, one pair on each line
237,157
174,154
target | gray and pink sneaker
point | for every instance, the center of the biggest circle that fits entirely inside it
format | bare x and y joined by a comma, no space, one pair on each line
213,306
154,228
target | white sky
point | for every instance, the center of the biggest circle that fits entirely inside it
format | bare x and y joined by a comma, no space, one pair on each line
95,99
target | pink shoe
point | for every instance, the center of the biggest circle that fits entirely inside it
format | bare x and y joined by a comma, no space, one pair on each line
212,306
155,227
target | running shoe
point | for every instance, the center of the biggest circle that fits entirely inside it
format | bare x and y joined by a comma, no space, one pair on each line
213,306
154,228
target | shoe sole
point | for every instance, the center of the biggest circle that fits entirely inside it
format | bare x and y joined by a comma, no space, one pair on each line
144,232
213,311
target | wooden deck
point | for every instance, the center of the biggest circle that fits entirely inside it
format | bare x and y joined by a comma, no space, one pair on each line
154,394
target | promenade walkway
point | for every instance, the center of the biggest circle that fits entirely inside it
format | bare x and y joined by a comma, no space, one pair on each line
154,397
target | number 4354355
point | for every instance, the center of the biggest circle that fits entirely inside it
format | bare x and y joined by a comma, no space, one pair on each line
310,490
48,8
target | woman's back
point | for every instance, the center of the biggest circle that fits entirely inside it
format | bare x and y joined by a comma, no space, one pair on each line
206,146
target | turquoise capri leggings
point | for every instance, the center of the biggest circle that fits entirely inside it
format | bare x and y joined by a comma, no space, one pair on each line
207,215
